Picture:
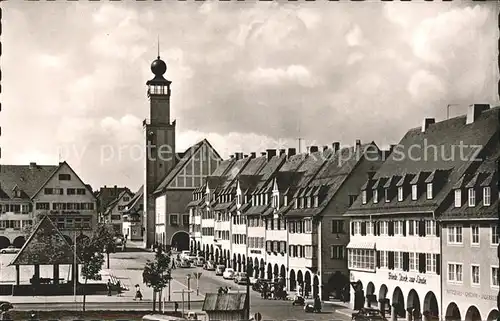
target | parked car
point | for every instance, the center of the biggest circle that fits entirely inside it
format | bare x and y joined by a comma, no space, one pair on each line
368,314
219,270
185,254
241,278
6,305
185,264
228,274
10,250
200,261
209,266
259,283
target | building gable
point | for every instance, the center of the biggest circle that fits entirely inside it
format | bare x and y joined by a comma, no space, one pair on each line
65,177
195,167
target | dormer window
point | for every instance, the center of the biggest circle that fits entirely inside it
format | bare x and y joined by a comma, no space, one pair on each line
253,200
316,201
400,194
472,197
309,202
296,204
301,202
486,196
387,195
266,199
458,198
414,191
429,191
375,196
285,200
364,197
238,199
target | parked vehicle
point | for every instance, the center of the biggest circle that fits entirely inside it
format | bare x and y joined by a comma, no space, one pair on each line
219,270
228,274
185,264
200,261
10,250
299,300
185,254
6,306
259,284
240,278
368,314
209,266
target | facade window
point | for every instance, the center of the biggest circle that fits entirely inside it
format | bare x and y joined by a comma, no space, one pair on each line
414,193
361,259
494,235
384,228
398,227
429,191
384,259
387,198
185,219
357,228
430,262
64,177
487,196
352,198
375,196
308,226
364,197
398,260
454,235
174,219
413,262
337,252
455,272
475,274
369,228
400,194
413,228
494,276
474,230
337,227
430,227
472,197
458,198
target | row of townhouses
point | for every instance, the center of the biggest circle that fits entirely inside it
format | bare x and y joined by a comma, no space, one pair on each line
415,227
28,192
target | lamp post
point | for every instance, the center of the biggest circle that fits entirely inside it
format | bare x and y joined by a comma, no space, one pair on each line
247,301
189,290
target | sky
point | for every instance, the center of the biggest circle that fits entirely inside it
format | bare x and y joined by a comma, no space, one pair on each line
245,75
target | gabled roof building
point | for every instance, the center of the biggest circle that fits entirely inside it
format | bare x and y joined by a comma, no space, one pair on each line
395,251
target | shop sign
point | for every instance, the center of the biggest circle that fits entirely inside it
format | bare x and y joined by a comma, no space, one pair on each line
256,251
403,277
472,295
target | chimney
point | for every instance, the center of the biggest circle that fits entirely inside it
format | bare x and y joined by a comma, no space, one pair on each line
291,152
312,149
336,146
232,156
358,144
474,111
253,154
325,148
263,154
32,165
238,155
427,122
282,152
270,153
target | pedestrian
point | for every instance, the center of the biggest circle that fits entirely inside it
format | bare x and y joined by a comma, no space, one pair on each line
108,285
138,294
176,306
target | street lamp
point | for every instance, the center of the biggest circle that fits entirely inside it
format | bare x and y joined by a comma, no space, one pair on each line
188,277
247,301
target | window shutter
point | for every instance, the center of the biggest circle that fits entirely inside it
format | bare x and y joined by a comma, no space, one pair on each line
378,259
378,228
423,227
406,261
391,260
331,226
421,262
438,227
438,264
352,228
363,228
404,228
391,228
420,228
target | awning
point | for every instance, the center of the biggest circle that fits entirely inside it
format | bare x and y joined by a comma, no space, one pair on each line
361,245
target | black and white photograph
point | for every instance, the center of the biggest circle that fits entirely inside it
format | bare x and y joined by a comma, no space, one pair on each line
249,160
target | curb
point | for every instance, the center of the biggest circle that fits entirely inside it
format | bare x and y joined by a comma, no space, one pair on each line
343,313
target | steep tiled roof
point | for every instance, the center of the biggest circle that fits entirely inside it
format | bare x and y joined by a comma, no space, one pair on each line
333,174
224,302
113,203
27,179
223,167
436,146
45,246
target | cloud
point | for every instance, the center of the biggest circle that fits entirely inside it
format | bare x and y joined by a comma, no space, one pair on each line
247,76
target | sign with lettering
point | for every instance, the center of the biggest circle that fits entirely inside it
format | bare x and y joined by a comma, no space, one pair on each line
472,295
403,277
256,251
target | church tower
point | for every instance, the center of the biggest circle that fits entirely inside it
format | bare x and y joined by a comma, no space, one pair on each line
159,136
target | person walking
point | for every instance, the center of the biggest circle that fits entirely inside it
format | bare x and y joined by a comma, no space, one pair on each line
108,285
138,294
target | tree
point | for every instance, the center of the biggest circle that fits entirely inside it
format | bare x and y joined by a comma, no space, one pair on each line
89,250
157,273
107,238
